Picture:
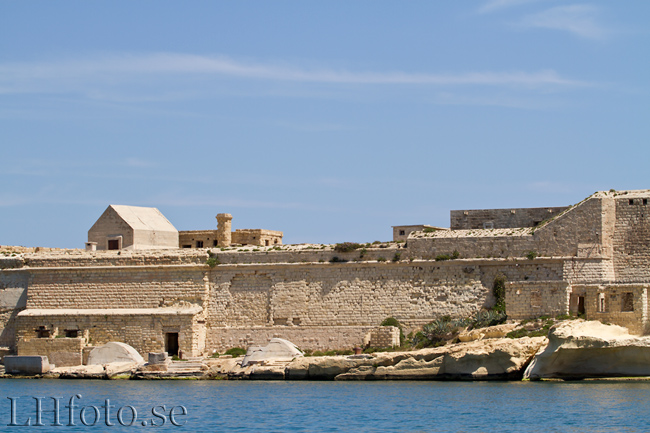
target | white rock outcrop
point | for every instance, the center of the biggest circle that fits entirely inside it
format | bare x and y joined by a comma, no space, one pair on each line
579,349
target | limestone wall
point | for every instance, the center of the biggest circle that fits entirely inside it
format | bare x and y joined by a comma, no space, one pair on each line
13,299
621,304
469,246
116,287
259,237
350,294
145,331
579,228
198,239
631,238
501,218
526,300
62,352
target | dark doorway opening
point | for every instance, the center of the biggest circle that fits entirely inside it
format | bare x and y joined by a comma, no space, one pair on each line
113,244
171,343
581,305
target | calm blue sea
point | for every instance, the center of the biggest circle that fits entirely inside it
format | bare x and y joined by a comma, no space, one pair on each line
251,406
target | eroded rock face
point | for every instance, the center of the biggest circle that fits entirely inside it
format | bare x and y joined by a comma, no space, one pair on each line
476,360
495,359
579,349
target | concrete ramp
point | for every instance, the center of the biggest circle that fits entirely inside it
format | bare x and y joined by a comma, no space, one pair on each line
278,350
114,352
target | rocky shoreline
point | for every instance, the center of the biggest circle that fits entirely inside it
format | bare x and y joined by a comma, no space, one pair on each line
574,349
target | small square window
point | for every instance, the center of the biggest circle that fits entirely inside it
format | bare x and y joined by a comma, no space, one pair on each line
631,201
199,244
71,333
402,232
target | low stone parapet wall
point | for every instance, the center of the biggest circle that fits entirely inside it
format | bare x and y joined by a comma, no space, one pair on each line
62,352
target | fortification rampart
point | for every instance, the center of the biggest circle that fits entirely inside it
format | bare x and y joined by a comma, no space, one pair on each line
592,258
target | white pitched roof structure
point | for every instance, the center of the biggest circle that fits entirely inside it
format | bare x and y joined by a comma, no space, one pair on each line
133,228
144,218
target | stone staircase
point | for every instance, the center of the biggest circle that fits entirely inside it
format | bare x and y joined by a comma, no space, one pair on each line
187,368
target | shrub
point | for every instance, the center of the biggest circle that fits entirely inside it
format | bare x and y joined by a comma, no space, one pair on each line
235,352
429,230
362,252
346,247
455,254
381,259
397,256
335,259
483,319
531,255
391,321
442,257
212,259
499,292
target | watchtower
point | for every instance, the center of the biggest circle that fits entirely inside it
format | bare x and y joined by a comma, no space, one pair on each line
224,229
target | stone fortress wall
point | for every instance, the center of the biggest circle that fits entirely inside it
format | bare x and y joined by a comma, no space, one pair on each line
501,218
590,258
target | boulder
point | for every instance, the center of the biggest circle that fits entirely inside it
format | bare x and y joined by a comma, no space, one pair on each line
278,350
580,349
114,352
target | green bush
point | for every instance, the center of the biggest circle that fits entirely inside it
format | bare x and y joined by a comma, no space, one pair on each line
499,292
346,247
442,257
531,255
381,259
429,230
212,260
235,352
391,321
397,256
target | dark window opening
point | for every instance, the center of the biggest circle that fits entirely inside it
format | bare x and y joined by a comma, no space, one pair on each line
41,332
266,242
187,246
645,201
215,243
171,343
114,244
199,244
71,333
581,305
631,201
275,241
627,303
402,232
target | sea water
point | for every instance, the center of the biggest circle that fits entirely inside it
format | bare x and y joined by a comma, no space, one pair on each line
279,406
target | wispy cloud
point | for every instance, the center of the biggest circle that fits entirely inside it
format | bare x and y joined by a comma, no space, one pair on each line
113,71
581,20
494,5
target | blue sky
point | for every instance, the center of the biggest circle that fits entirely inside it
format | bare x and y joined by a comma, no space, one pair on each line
330,121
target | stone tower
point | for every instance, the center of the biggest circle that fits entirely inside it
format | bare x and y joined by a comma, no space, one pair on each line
224,229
